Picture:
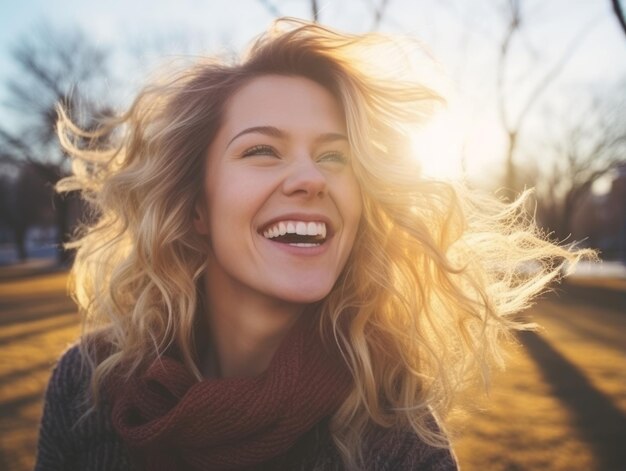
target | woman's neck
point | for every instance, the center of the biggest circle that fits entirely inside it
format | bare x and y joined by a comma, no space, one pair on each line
245,328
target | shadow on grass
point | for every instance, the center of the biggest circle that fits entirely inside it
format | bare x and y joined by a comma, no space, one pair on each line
570,293
12,419
598,421
9,408
72,321
25,271
4,462
589,327
21,373
35,308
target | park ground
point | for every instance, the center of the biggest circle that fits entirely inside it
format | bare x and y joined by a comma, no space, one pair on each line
560,404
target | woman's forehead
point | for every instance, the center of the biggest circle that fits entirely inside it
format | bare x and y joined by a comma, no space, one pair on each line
283,102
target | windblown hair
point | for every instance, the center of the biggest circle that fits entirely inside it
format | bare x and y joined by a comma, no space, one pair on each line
434,280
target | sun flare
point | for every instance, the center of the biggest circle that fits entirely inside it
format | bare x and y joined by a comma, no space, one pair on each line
438,147
459,143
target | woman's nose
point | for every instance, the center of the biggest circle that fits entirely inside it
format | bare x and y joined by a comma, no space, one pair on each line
305,178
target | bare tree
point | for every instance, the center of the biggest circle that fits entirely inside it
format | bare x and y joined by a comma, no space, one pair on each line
516,19
377,9
619,14
53,68
591,144
271,8
27,200
315,11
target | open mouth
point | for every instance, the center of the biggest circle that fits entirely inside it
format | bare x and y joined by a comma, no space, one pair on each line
297,233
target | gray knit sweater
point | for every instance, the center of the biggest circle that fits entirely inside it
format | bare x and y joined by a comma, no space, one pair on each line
68,442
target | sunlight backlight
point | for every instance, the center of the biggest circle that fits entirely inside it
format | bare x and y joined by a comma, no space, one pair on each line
438,146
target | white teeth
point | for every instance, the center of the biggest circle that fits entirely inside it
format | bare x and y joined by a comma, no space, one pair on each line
296,227
301,228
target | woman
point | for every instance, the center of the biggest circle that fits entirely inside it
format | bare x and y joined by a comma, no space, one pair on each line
269,282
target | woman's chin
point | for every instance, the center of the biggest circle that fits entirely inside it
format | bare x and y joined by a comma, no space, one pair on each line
302,294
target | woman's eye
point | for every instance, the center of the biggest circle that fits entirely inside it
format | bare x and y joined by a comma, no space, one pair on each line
334,156
260,150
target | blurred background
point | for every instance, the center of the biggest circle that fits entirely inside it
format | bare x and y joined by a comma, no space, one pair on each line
537,100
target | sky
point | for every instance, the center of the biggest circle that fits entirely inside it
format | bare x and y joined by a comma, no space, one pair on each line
461,34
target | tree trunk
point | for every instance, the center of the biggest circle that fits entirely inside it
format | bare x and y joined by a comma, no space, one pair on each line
19,231
510,177
61,203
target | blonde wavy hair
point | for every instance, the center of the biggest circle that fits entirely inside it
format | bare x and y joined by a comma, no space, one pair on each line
435,278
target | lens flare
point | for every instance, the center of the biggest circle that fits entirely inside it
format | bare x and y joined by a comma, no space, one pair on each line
438,147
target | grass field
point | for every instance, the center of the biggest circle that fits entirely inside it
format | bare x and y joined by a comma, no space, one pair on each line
560,404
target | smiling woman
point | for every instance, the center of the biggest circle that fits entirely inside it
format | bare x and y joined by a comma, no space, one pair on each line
285,169
271,282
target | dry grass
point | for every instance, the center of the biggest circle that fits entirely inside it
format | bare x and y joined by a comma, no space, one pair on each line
522,426
37,322
560,405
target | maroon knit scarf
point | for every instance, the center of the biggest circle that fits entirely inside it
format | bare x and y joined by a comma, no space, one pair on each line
171,421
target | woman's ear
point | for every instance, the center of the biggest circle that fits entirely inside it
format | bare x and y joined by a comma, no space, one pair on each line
200,219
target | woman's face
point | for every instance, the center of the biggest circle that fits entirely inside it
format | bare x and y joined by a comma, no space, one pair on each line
282,205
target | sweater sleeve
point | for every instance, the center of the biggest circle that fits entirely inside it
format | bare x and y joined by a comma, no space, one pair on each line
398,450
69,439
417,455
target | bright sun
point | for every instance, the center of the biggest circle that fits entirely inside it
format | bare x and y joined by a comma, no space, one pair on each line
438,147
456,144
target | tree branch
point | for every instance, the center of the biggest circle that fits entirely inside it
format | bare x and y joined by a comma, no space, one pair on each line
379,13
271,8
554,72
16,144
619,13
513,26
315,11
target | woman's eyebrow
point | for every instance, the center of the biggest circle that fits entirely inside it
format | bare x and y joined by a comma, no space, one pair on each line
331,137
267,130
275,132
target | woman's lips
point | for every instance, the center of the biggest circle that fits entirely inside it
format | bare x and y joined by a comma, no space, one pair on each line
296,231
